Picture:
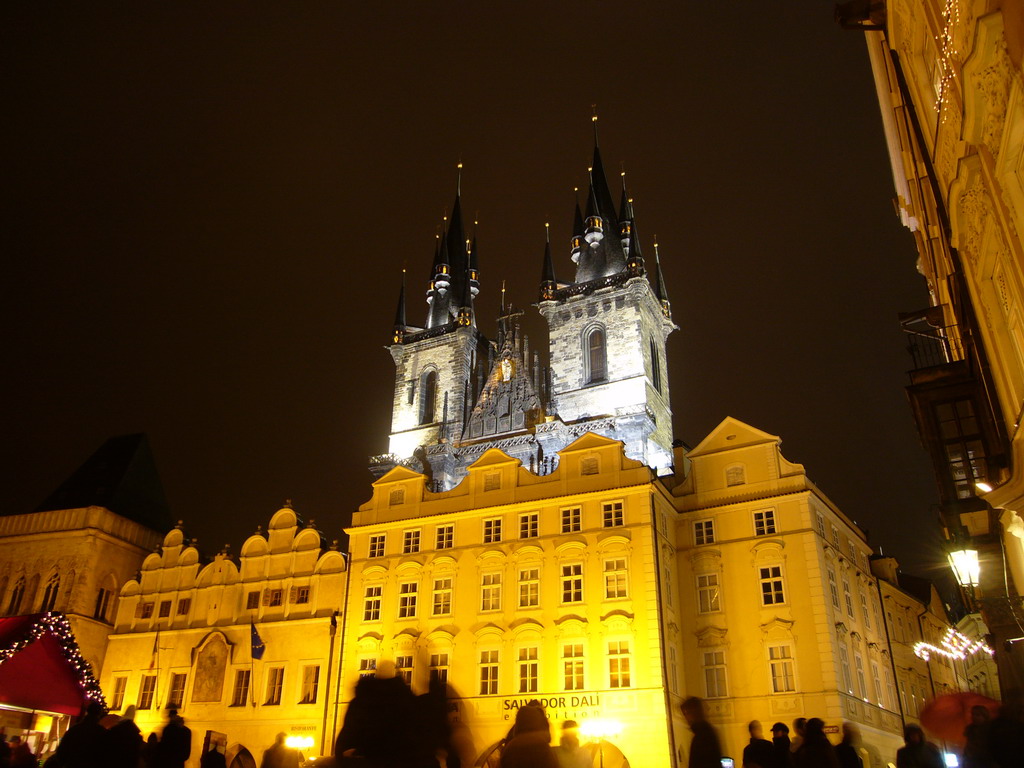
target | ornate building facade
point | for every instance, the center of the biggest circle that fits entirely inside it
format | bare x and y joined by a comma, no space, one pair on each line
950,85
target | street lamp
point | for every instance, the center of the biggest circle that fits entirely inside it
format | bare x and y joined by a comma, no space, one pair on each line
965,565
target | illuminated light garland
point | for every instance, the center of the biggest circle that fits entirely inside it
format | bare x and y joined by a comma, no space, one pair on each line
57,625
947,51
954,646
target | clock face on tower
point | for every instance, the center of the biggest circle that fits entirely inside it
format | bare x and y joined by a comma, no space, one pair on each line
506,369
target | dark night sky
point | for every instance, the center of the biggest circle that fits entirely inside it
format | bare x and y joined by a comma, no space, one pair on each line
208,207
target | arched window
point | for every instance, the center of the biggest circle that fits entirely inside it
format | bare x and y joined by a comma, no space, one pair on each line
16,596
655,366
597,365
428,398
50,593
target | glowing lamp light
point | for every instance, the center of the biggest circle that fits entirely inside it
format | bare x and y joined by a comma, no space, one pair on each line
599,728
966,567
952,761
982,486
298,742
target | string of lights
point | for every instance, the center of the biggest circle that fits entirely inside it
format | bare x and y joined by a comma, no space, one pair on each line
947,51
57,625
954,646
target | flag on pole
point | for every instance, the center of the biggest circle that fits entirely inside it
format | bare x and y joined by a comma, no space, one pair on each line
257,643
156,652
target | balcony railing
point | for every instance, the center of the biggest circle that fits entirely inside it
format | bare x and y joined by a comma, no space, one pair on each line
930,343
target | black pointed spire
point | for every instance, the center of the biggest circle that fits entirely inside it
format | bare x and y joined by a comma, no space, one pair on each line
400,325
578,227
456,242
548,285
626,203
465,316
599,182
474,269
593,209
660,291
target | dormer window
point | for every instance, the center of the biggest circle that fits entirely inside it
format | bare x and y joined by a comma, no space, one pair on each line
597,365
428,398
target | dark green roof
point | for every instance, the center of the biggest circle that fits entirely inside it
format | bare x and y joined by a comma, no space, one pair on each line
122,477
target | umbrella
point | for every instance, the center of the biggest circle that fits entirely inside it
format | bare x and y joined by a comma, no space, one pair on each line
947,716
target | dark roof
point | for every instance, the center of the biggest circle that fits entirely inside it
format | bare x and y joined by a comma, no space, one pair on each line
122,477
915,586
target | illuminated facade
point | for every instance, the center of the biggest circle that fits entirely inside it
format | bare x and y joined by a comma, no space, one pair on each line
949,80
781,610
184,637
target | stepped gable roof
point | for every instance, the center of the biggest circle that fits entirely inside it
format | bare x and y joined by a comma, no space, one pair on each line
120,476
507,396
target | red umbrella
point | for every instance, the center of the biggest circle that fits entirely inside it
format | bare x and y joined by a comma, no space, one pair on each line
947,716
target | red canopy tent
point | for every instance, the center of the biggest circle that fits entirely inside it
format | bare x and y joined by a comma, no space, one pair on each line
41,667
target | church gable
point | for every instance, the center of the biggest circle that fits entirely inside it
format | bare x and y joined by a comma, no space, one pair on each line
508,401
730,435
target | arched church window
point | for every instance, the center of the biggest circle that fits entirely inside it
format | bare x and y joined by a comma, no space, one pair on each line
50,593
597,365
16,596
655,366
428,398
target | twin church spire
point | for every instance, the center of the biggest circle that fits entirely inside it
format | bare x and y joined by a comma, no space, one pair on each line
458,392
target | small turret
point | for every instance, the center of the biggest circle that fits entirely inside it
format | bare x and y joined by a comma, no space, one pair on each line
634,257
474,270
625,218
465,315
594,232
399,335
578,229
660,291
548,284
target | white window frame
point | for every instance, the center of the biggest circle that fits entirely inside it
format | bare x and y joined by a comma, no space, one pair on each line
775,577
310,684
444,536
703,532
716,677
492,530
372,598
377,545
616,578
571,583
441,596
529,587
529,525
411,541
489,669
573,667
529,669
613,514
781,667
709,593
490,591
764,522
408,593
572,519
619,664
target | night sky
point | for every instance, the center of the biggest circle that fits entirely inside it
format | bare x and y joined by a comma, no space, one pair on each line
208,207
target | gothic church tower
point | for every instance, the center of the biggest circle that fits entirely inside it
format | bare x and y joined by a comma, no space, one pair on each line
608,330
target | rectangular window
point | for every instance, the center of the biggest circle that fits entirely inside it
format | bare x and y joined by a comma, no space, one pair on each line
819,520
571,519
490,591
445,536
772,592
715,685
707,593
848,596
844,663
165,609
704,532
439,667
618,664
611,514
488,672
528,670
673,670
529,587
615,578
572,666
862,685
146,691
273,597
240,692
960,432
275,683
300,595
371,603
102,600
310,683
120,684
403,668
367,667
835,537
529,525
890,691
572,583
780,665
492,530
176,697
407,599
877,680
145,610
252,600
833,588
184,604
442,596
864,610
377,545
410,542
764,522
